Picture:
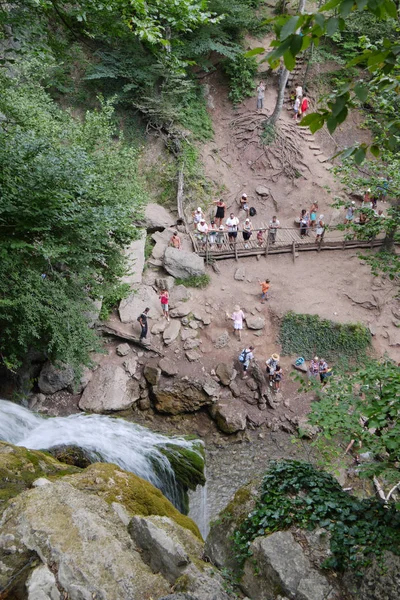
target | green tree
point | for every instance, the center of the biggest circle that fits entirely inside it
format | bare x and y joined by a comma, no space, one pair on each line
68,192
363,405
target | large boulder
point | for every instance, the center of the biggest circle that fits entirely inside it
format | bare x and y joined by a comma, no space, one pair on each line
255,322
135,260
157,217
110,389
42,585
171,332
230,415
225,373
53,379
179,263
179,293
184,395
144,297
281,564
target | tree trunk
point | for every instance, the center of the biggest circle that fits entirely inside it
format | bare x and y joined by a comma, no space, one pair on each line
283,78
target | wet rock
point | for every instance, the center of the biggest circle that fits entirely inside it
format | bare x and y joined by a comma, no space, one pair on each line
224,373
171,332
240,274
168,367
71,455
53,379
229,415
110,389
152,374
255,322
123,349
179,263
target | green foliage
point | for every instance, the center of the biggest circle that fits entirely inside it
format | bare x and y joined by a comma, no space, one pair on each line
307,335
241,72
296,494
193,115
196,281
363,405
114,295
66,207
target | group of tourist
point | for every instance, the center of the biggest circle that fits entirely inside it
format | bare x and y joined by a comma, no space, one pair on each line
301,103
273,369
308,221
369,203
318,367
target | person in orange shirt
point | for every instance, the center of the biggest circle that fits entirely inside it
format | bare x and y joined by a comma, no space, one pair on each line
264,290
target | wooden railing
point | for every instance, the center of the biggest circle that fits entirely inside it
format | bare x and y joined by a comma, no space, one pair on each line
216,245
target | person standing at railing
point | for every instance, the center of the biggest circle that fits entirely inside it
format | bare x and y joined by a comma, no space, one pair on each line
212,233
197,216
350,213
313,215
202,229
304,221
232,224
320,228
220,214
220,237
247,231
274,224
260,238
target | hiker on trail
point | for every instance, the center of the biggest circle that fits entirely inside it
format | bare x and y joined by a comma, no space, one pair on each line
260,238
296,108
244,204
237,317
324,371
264,290
298,90
142,318
350,213
247,231
197,216
164,298
220,237
260,95
277,378
304,222
271,365
220,214
320,228
313,215
175,241
202,229
232,224
304,106
212,233
245,357
274,224
313,369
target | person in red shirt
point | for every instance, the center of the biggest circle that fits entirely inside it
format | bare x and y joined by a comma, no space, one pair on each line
304,105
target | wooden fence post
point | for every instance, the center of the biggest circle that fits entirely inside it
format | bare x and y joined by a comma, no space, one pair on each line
267,246
207,249
320,241
294,251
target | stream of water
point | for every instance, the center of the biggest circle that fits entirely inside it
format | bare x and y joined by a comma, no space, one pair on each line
104,438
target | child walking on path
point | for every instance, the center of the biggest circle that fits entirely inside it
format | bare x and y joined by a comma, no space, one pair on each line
264,290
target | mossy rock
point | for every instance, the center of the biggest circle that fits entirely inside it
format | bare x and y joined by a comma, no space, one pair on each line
137,495
72,455
19,467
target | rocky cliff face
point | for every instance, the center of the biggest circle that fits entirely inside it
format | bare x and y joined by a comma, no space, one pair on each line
96,533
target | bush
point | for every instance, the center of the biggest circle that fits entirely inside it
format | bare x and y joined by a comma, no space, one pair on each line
196,281
241,72
296,494
307,335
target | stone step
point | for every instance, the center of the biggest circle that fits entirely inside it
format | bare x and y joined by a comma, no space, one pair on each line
322,159
317,153
315,148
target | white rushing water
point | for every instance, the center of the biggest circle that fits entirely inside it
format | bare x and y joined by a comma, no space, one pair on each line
108,439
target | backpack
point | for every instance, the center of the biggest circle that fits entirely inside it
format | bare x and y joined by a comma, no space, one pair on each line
243,356
252,211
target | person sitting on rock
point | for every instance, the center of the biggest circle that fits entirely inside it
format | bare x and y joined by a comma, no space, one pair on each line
175,241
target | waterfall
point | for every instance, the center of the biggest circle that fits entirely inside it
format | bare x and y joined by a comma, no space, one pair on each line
104,438
198,508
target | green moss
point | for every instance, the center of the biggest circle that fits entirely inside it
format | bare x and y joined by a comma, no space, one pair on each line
235,506
19,467
137,495
182,583
188,466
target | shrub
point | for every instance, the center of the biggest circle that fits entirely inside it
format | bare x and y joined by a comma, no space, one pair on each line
241,72
307,335
196,281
